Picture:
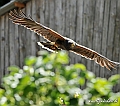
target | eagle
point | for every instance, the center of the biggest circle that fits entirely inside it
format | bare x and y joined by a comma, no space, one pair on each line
56,42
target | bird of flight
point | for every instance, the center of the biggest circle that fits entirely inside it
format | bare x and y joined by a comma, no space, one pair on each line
56,42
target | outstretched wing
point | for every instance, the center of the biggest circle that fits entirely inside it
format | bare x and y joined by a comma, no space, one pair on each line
47,33
92,55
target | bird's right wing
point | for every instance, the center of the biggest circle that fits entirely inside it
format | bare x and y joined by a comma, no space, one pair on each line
92,55
47,33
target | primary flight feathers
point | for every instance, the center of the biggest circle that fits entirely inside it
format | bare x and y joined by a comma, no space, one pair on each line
57,42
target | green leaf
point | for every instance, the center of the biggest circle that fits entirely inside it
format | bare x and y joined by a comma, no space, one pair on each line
80,66
13,68
102,86
30,60
25,81
62,57
82,81
2,91
90,75
114,79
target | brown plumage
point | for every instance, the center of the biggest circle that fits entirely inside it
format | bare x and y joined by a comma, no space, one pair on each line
58,42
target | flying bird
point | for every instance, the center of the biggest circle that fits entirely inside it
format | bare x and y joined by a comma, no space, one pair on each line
56,42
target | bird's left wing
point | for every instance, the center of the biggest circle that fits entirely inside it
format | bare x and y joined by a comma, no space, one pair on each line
92,55
21,19
50,46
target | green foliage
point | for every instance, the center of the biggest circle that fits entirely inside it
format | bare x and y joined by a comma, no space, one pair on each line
47,81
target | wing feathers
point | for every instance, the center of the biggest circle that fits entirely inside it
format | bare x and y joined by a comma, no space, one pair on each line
50,46
92,55
29,23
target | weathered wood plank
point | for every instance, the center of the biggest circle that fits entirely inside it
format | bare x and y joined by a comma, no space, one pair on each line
6,43
116,48
46,14
28,32
72,18
116,45
0,52
111,32
33,35
105,33
51,12
85,27
79,25
98,29
42,14
2,46
16,45
58,16
63,17
22,43
12,42
38,20
118,32
67,20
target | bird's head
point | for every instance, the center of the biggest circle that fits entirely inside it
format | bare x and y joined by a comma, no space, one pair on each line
71,43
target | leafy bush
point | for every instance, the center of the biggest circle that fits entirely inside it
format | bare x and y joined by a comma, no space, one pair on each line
47,81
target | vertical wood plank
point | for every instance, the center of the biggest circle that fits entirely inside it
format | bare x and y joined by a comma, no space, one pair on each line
28,32
67,20
12,42
90,30
42,14
79,25
111,33
98,29
17,55
0,49
105,33
38,5
58,16
116,44
6,44
46,22
118,32
42,10
85,26
72,17
22,43
2,44
33,35
63,17
51,14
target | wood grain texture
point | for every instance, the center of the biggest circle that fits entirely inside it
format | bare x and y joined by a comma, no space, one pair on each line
33,35
111,32
0,50
7,44
2,47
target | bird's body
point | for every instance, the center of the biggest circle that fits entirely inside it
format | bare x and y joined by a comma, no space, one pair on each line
58,42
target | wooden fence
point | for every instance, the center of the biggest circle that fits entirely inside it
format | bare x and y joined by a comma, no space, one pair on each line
92,23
